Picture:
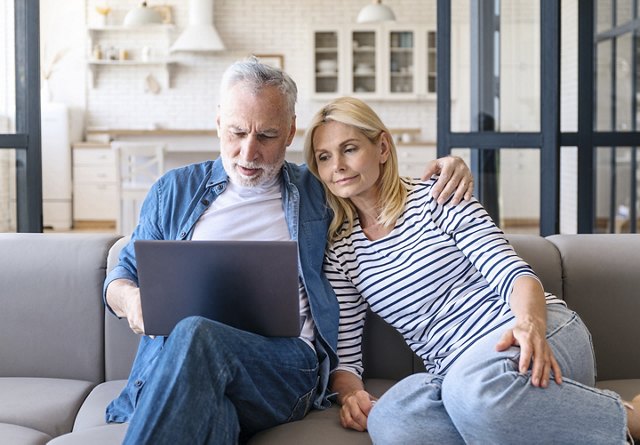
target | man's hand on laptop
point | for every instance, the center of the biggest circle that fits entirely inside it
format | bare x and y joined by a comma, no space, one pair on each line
123,296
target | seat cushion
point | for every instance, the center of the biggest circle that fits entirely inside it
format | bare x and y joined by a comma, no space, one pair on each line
46,405
321,427
92,413
20,435
111,434
317,428
627,388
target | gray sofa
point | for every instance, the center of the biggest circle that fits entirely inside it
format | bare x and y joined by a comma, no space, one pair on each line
62,359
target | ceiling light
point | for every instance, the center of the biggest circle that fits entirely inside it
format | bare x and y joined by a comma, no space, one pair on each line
376,12
142,15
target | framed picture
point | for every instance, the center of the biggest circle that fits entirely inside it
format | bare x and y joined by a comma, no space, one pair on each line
275,60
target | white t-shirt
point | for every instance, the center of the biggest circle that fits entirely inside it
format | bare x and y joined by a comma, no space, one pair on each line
252,213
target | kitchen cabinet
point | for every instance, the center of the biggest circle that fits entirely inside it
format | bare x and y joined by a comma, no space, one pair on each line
380,61
111,48
413,158
94,183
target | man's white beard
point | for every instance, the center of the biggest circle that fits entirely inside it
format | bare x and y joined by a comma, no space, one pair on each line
268,172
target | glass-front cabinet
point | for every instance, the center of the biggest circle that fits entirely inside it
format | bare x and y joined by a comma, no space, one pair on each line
327,62
384,62
364,63
402,62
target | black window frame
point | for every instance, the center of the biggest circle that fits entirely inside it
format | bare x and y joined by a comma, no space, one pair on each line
26,141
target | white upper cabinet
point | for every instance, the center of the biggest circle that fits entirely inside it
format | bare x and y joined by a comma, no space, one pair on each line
384,62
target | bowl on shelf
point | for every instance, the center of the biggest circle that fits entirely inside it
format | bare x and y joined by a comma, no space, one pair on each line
327,66
363,68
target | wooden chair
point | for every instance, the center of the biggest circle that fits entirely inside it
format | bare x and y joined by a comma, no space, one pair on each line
138,166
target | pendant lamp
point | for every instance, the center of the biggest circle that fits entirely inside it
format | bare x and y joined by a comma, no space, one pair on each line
142,15
376,12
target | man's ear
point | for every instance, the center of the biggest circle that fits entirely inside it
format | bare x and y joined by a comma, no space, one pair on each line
292,131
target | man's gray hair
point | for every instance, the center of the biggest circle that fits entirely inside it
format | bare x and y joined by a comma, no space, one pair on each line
258,75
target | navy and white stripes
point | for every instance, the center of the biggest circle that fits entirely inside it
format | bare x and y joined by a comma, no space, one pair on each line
442,278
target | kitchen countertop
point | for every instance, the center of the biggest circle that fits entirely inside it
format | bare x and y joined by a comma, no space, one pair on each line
101,137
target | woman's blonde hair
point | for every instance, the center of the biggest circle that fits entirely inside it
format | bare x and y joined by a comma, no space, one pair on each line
393,194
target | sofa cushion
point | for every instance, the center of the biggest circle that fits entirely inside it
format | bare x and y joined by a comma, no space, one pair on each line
317,428
321,427
20,435
120,342
102,435
602,283
52,317
92,413
627,388
543,257
46,405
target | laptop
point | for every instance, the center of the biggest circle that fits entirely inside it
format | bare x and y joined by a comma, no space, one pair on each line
250,285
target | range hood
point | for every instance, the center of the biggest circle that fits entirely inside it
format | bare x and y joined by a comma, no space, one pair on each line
200,35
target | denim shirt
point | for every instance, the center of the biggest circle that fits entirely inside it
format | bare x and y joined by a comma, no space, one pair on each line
170,211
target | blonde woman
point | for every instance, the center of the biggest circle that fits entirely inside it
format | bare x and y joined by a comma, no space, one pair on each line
505,362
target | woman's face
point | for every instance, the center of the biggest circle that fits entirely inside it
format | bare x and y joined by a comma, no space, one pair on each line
349,164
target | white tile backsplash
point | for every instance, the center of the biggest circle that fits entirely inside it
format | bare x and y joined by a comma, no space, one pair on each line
260,27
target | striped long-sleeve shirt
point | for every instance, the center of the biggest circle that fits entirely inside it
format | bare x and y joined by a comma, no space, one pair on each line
442,278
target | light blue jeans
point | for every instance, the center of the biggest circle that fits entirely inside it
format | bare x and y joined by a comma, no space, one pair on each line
484,400
213,384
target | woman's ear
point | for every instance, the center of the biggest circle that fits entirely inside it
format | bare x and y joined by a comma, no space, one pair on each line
384,144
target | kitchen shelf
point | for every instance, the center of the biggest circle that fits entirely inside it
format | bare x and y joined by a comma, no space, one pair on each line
165,65
113,38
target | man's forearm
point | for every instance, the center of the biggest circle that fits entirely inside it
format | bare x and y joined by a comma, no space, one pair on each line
117,296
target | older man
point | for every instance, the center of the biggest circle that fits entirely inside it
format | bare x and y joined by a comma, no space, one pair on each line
208,382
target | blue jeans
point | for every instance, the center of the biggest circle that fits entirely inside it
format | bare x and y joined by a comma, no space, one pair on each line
484,400
213,384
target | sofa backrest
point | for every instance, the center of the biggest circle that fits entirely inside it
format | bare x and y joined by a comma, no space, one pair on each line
597,275
51,311
385,353
601,279
121,343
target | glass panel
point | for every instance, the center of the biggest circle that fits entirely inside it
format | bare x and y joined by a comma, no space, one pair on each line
7,190
7,69
624,11
326,60
624,87
637,75
568,190
516,67
460,65
603,87
518,177
604,10
519,59
519,190
364,62
569,66
613,193
401,64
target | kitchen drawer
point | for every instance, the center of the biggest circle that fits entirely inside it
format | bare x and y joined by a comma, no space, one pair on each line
95,202
95,156
94,173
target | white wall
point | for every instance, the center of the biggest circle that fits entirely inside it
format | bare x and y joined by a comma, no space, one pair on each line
261,27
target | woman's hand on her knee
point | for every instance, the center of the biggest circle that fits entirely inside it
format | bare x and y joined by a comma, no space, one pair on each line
355,410
533,348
